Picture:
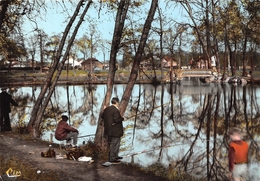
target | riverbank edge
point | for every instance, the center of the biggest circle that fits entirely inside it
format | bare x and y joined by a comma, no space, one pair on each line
29,81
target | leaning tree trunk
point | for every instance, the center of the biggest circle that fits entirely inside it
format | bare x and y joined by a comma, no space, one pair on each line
39,108
99,137
138,58
119,25
52,87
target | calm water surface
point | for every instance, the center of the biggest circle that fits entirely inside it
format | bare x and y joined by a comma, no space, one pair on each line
185,125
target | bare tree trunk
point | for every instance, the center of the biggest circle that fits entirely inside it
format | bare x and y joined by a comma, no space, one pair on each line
161,45
162,123
215,130
38,110
244,53
4,6
215,40
208,52
162,78
208,124
136,113
41,51
119,25
138,57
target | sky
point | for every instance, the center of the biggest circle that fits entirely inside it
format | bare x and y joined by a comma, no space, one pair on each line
53,22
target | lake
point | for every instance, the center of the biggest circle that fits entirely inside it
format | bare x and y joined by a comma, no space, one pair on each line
183,125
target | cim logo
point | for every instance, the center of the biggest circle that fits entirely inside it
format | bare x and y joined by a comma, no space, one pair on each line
13,173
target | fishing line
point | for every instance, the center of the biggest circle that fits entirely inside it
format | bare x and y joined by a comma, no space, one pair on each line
151,150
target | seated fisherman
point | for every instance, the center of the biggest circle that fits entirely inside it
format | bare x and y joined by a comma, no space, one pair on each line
66,132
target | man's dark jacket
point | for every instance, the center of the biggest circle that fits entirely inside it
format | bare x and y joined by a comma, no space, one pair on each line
112,122
5,101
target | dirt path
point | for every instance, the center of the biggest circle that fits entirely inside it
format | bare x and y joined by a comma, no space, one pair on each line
29,150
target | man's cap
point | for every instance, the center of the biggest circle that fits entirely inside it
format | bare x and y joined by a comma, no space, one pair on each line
3,88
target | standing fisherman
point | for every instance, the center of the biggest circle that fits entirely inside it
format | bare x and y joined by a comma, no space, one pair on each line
5,101
113,129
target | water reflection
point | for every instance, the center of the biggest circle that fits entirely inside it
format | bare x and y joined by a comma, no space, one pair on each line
183,125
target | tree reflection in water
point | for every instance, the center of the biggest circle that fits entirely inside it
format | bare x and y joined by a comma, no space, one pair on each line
183,125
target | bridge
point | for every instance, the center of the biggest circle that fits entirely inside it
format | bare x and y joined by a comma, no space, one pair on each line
194,73
181,73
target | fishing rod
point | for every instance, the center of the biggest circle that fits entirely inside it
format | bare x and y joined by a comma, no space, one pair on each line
86,135
22,106
151,150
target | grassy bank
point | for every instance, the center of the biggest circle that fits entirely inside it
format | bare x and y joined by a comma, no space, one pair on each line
24,160
24,170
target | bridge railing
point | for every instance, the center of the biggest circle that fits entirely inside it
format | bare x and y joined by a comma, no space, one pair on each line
195,73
